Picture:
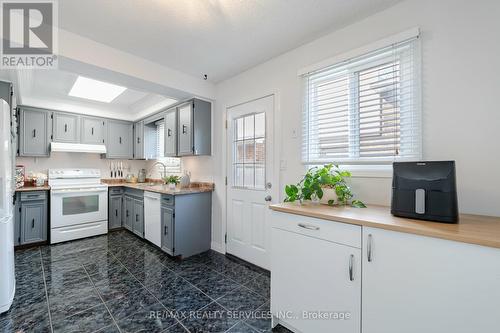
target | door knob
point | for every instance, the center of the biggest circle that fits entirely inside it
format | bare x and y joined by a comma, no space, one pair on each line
268,198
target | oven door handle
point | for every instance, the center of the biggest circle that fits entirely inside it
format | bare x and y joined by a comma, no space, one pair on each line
83,190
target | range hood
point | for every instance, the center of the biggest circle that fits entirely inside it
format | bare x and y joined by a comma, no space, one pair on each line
77,148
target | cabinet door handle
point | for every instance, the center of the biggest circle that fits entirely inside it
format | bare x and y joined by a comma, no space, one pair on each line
120,140
351,267
165,231
34,133
92,131
65,127
116,212
308,226
136,217
369,248
32,223
169,132
127,213
138,140
184,129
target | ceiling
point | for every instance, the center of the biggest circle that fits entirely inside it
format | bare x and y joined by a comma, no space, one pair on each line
49,89
220,38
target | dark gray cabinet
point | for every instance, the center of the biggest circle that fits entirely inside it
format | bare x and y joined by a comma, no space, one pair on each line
186,231
92,130
66,127
171,133
194,128
119,143
133,201
115,207
139,141
31,217
34,132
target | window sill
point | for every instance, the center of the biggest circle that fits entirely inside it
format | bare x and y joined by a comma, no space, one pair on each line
369,171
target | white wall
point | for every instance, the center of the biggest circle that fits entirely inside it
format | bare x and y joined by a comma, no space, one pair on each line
461,78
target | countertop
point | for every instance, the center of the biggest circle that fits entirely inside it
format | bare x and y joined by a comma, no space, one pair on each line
33,188
163,189
473,229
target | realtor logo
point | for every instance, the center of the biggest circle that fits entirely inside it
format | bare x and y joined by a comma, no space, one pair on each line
28,34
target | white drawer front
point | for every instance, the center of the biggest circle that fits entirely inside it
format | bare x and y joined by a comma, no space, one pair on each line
337,232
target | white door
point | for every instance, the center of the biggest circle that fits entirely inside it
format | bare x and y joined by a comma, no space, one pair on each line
251,186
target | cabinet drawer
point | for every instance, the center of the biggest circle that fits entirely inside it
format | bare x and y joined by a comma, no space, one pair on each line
137,194
115,190
36,195
167,200
337,232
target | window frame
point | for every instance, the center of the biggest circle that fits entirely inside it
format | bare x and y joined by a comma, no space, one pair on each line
352,74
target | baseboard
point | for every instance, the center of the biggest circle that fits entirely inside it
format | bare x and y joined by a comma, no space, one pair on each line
218,247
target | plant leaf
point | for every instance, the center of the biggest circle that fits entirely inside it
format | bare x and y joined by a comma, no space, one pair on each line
358,204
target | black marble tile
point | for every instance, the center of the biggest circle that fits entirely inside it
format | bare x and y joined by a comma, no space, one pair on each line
35,301
241,327
29,283
55,275
117,288
90,320
240,273
151,319
281,329
149,275
210,282
117,274
260,319
104,266
109,329
63,306
212,318
179,295
71,288
131,303
242,299
31,321
261,285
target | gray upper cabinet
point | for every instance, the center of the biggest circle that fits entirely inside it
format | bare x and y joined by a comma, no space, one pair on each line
139,141
92,130
171,133
34,132
66,127
119,143
185,133
194,132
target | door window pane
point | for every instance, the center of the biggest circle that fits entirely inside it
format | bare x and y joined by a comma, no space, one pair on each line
249,151
80,205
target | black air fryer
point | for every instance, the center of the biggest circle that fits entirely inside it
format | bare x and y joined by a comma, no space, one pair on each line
425,190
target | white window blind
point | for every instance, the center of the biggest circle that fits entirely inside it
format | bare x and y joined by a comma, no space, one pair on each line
365,110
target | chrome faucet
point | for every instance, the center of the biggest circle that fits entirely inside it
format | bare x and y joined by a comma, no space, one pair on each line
164,168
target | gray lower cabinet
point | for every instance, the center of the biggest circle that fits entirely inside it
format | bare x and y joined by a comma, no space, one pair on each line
120,140
92,130
171,133
138,220
167,230
34,132
186,231
66,127
128,210
31,220
115,212
194,128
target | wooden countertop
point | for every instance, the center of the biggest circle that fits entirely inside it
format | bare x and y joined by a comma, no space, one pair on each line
473,229
33,188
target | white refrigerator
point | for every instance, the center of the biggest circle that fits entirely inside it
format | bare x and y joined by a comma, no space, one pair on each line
7,277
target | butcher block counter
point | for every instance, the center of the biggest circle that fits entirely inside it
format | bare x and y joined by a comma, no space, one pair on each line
473,229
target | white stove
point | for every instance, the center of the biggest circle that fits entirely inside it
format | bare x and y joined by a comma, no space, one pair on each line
79,204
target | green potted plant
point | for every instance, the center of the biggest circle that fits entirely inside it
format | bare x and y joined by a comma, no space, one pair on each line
172,181
325,184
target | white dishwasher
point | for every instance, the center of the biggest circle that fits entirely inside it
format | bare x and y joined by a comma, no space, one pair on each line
152,217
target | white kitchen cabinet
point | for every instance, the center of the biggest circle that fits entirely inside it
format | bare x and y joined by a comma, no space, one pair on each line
316,268
416,284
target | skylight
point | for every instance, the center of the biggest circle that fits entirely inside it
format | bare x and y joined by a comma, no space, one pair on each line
95,90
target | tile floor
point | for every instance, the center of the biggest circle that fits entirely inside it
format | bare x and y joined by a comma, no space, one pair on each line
119,283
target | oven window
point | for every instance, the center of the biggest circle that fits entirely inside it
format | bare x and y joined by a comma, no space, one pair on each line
80,205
